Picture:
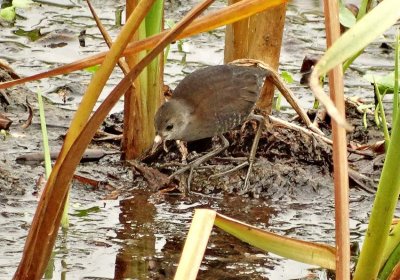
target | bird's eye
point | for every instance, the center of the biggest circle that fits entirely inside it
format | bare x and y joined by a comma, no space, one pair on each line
169,127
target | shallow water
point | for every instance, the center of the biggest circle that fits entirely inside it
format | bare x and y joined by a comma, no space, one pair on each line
141,235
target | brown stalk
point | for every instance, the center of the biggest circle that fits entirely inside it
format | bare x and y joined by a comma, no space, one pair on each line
43,232
209,22
131,100
341,183
395,273
258,37
141,104
133,104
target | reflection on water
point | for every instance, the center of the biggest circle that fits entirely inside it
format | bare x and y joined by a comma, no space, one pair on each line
154,228
137,236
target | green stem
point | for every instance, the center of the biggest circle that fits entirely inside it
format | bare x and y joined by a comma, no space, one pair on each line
65,217
45,139
349,61
392,242
278,102
391,263
47,157
361,12
383,117
363,9
386,199
396,78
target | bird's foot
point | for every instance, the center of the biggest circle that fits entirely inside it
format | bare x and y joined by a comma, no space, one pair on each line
191,166
244,164
197,162
229,171
251,157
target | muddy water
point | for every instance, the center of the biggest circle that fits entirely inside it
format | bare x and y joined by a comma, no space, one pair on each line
141,234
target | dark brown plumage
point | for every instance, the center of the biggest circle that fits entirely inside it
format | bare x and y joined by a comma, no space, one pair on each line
209,102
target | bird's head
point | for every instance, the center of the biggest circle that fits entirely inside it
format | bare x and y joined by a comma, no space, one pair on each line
171,120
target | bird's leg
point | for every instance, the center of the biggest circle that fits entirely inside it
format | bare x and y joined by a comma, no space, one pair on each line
194,164
183,149
253,150
250,161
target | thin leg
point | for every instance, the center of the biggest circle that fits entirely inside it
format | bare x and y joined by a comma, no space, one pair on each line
236,168
253,150
183,149
250,160
194,164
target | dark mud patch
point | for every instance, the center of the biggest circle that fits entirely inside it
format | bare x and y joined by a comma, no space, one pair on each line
287,161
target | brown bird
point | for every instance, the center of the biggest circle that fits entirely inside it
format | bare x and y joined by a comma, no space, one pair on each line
210,102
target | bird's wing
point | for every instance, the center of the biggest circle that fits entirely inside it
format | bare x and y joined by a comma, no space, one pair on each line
223,92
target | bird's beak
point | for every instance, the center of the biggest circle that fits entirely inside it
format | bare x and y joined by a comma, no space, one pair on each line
157,142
